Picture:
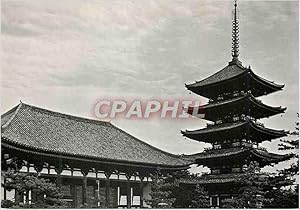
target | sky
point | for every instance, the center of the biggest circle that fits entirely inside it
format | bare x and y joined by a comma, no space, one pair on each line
64,55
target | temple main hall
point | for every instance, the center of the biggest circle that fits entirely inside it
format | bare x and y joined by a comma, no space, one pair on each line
92,162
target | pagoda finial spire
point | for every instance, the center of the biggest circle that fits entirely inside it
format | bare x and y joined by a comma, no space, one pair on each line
235,35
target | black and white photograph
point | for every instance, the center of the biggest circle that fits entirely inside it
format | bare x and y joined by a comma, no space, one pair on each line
162,104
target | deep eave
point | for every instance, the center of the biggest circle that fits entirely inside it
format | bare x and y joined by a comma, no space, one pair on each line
35,130
232,78
214,156
236,130
246,104
213,179
44,154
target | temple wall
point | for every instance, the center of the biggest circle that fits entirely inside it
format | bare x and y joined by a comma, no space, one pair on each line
97,189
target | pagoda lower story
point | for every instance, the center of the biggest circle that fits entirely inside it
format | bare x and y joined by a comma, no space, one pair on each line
227,167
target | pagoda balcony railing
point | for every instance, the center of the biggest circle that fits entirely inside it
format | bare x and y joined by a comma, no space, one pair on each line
260,124
225,96
235,118
261,148
242,144
209,124
208,148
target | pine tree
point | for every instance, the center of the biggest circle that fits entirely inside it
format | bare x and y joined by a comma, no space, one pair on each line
46,194
285,193
182,193
251,189
292,144
200,198
161,192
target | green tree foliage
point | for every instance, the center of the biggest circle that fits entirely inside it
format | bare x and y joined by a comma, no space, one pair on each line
46,194
282,198
284,193
232,203
257,189
250,189
161,191
200,198
183,194
167,192
291,144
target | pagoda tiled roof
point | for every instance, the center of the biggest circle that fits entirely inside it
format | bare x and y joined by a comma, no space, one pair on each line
220,154
257,109
226,73
215,153
235,73
232,100
234,130
38,129
213,179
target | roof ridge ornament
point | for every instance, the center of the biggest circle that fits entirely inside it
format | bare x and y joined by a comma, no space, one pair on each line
235,36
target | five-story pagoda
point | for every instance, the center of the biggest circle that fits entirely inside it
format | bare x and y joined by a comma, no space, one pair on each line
235,132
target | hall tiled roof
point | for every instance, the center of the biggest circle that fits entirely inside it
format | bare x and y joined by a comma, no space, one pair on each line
31,127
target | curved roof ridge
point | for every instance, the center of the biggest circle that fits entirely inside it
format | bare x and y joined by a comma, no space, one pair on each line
15,110
219,153
224,101
273,156
236,149
260,103
153,147
251,97
218,72
69,116
268,82
264,129
220,126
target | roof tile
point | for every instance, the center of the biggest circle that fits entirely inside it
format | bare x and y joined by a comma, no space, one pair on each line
45,130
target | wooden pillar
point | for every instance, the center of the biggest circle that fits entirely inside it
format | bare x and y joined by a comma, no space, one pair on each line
141,193
4,189
58,170
96,192
84,171
33,197
17,197
84,189
58,180
107,188
73,193
128,194
107,193
27,197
